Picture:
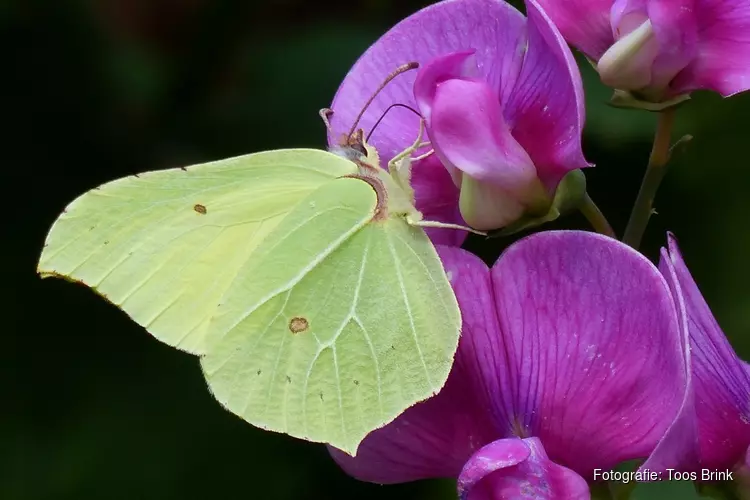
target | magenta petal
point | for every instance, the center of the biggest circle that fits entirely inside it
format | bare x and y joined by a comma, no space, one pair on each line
675,28
437,199
511,469
546,108
627,15
592,345
679,447
460,65
721,384
497,455
583,23
455,65
722,60
468,130
436,437
494,29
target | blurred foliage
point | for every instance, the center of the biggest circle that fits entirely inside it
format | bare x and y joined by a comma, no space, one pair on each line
99,89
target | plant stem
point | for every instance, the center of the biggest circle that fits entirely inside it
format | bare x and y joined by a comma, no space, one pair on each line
595,217
655,171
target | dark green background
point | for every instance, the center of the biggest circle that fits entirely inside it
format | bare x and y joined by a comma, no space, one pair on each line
93,407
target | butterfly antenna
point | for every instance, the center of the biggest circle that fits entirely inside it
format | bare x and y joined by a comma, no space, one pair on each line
397,105
325,115
401,69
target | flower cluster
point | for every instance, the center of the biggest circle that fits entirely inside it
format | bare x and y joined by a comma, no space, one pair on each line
577,353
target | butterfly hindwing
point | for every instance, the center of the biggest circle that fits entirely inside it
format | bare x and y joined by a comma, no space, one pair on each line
340,324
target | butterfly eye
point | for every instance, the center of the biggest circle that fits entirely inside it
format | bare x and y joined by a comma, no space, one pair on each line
360,148
356,142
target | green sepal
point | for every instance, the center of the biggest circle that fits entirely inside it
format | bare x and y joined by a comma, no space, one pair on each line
568,198
625,99
628,100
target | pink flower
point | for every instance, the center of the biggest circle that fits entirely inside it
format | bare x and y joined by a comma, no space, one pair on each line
503,103
571,358
661,48
712,431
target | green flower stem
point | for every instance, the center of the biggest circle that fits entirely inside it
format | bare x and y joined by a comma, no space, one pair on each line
595,217
655,171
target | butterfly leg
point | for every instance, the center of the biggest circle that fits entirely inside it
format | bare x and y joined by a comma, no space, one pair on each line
427,154
411,149
417,221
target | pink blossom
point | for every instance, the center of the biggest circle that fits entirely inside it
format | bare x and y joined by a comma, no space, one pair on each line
503,102
661,48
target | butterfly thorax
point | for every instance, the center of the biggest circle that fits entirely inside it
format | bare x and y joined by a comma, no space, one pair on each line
395,194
